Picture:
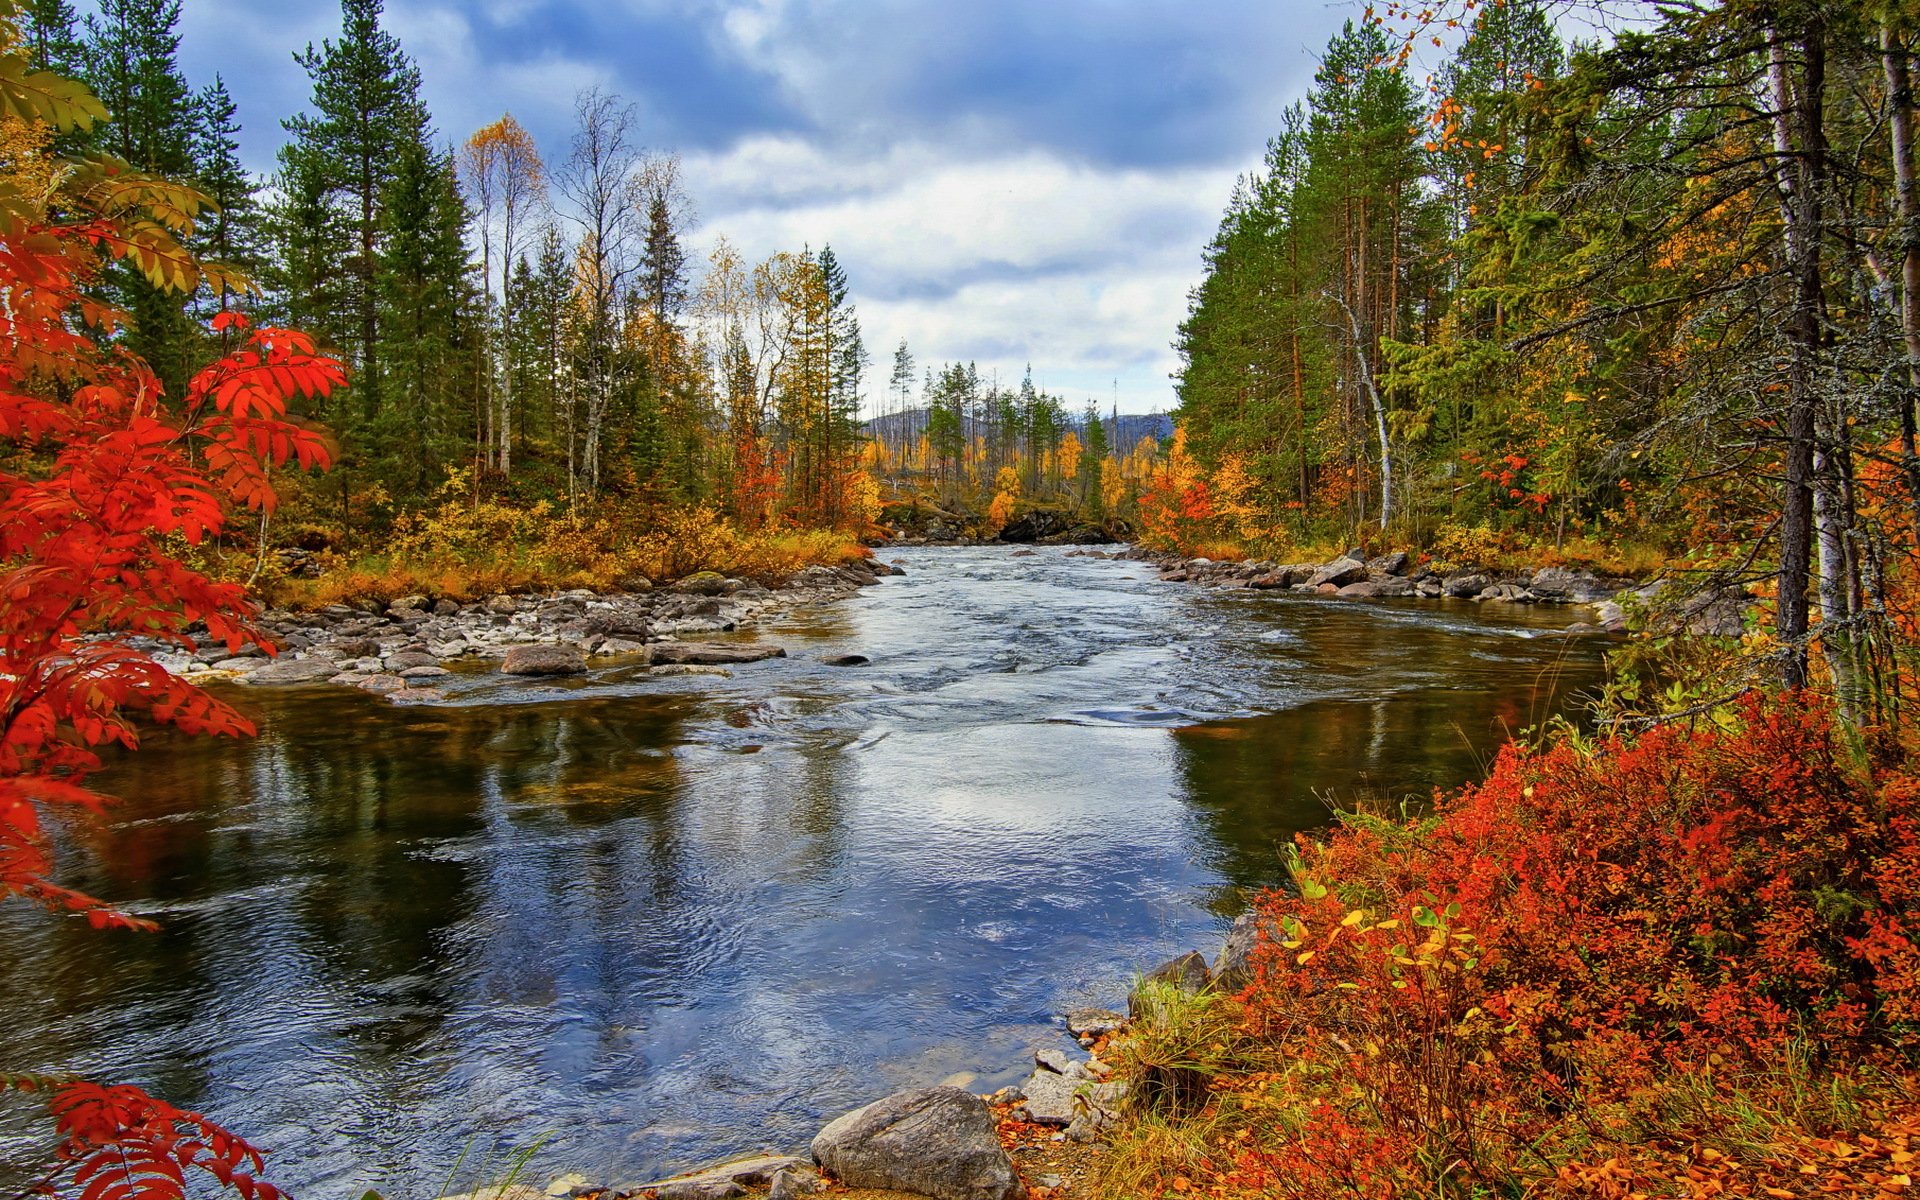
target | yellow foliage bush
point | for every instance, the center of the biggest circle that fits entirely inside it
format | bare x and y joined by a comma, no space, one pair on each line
464,549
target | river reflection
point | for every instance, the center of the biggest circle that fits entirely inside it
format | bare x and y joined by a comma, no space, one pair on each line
656,920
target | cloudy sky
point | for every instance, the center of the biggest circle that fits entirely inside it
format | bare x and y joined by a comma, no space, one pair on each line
1006,181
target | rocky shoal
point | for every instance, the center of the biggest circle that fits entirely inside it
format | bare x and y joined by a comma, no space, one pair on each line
400,649
1709,608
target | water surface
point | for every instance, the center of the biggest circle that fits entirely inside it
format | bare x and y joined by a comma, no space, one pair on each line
656,920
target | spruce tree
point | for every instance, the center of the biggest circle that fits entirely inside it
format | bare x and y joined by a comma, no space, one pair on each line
367,119
425,289
53,45
231,233
131,60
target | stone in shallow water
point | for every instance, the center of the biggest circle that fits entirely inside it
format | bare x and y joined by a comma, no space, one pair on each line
541,659
1094,1022
710,652
305,670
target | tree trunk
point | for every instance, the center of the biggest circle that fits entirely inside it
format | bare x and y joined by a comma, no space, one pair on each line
1907,201
1801,151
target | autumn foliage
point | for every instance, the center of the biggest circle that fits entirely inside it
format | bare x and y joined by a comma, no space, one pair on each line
106,486
1522,990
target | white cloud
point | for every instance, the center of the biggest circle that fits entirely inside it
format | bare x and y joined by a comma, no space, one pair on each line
1028,258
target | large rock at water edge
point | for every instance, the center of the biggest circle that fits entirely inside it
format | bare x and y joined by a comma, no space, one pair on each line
1573,587
1340,572
937,1142
542,659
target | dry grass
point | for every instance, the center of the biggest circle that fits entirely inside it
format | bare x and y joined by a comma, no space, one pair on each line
465,551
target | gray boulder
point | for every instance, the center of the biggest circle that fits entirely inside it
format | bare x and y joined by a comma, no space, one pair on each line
1340,572
305,670
543,659
938,1142
1567,586
1058,1099
1462,587
1363,590
1390,564
711,652
794,1182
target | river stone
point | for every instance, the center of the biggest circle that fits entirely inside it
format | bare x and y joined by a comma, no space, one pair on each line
722,1182
542,659
305,670
1363,590
406,659
503,605
355,648
1094,1022
1390,564
794,1182
711,652
704,1187
1233,969
846,660
614,645
1461,587
1057,1099
1061,1063
690,669
1339,572
1394,585
381,683
416,695
1560,583
938,1142
424,672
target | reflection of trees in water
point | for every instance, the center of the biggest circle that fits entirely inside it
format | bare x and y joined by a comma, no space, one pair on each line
1258,781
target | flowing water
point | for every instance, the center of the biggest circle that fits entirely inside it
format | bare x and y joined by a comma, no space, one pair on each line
644,922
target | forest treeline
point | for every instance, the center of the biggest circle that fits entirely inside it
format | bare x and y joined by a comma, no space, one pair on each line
1659,290
526,328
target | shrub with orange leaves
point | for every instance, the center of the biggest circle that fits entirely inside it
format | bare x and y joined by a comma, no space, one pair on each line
1529,981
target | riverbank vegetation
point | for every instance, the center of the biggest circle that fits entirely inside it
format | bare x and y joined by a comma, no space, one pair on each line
1660,289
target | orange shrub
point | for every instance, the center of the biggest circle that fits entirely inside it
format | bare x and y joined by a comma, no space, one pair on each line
1459,995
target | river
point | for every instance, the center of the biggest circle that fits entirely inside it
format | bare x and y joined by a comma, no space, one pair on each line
644,922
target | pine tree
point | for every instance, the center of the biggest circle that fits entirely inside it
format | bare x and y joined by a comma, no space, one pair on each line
231,233
49,29
425,289
1093,456
131,60
344,155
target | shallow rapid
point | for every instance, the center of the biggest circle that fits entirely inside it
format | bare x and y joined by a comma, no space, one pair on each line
648,921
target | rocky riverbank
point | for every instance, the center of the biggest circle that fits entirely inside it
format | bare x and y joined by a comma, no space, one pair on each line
1706,607
401,649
